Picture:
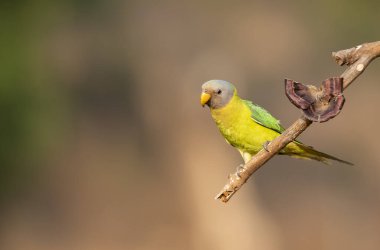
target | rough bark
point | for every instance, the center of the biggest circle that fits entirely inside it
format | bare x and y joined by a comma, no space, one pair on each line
357,59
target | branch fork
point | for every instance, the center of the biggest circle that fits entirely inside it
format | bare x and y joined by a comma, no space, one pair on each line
317,104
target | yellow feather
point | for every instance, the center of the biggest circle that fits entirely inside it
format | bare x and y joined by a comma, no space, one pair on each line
240,130
235,122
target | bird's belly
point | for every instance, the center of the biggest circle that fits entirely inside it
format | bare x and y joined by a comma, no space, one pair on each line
248,137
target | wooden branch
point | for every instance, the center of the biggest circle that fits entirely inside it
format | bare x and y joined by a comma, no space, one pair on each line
357,58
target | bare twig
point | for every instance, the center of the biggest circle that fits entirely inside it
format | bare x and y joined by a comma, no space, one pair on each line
357,58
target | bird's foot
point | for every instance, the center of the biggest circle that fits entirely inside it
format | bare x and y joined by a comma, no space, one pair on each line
265,145
240,169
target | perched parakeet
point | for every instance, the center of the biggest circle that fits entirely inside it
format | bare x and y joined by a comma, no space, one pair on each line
248,127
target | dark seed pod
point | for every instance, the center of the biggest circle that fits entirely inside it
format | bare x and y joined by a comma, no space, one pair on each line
318,104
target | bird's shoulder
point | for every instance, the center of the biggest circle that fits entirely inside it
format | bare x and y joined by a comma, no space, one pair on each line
263,117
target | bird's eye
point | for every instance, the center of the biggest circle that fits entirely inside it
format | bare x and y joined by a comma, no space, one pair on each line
219,91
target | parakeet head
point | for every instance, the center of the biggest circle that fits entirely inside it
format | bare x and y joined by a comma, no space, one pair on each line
217,93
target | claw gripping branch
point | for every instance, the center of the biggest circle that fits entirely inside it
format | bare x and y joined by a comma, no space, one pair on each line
318,105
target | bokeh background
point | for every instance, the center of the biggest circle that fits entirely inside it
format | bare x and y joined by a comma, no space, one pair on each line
104,144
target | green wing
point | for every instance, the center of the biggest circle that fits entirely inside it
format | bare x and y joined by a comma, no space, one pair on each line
264,118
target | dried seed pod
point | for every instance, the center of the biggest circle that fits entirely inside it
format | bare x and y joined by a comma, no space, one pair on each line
318,104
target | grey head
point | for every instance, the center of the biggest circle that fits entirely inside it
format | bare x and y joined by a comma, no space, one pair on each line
217,93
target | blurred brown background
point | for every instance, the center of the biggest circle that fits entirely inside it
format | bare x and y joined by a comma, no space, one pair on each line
105,145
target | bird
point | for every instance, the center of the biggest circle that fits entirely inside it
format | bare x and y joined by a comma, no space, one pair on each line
249,127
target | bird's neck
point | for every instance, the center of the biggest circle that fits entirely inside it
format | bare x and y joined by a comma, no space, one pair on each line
228,114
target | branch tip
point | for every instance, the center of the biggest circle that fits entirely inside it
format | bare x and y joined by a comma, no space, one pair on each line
308,98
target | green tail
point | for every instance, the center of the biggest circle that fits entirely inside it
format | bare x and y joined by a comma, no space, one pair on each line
312,154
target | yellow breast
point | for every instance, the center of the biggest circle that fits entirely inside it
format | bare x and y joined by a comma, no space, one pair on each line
239,129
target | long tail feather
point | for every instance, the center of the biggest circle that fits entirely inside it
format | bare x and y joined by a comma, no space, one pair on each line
307,152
